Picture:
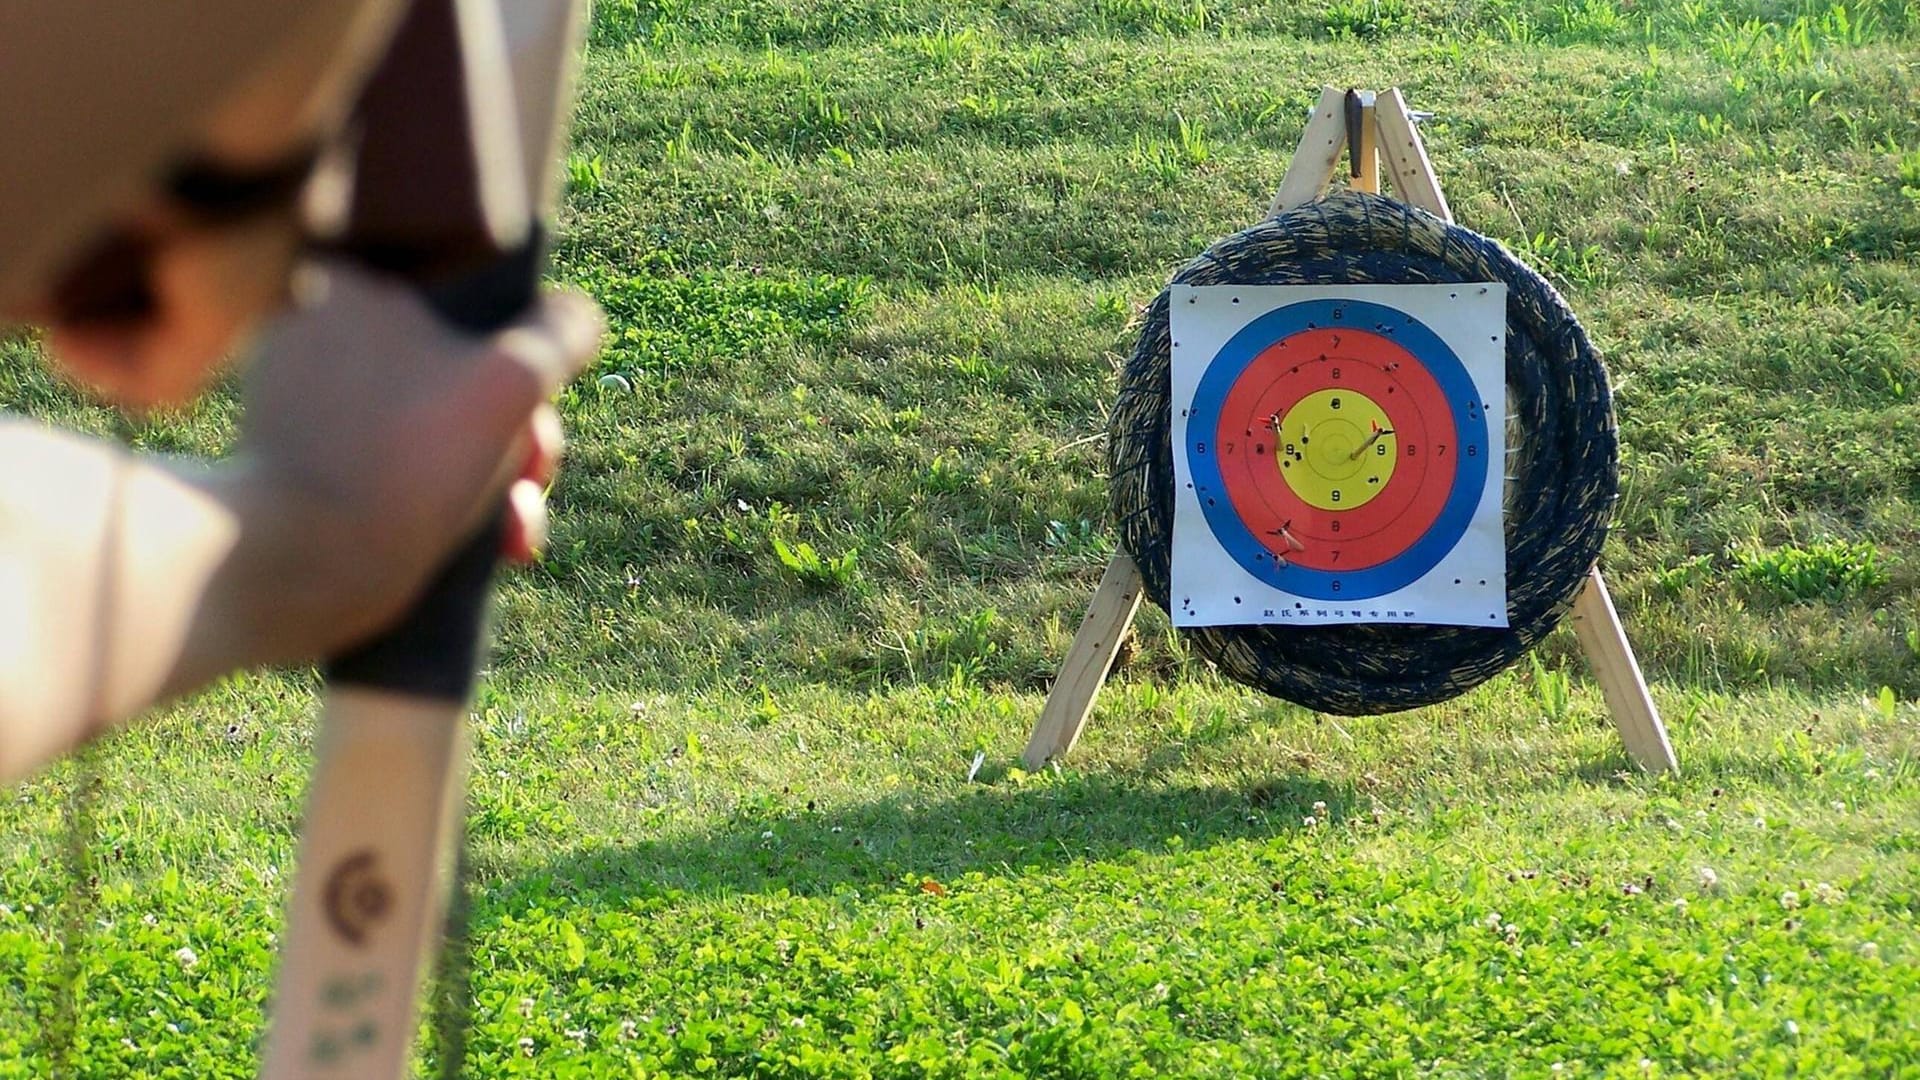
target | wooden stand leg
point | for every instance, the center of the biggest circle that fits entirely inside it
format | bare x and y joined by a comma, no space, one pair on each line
1318,154
1088,661
1406,156
1604,641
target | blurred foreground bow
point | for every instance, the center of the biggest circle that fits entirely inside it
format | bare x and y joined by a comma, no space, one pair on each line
458,134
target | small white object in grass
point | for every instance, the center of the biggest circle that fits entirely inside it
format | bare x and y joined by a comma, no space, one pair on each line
1869,951
979,759
1708,879
186,957
1789,899
614,381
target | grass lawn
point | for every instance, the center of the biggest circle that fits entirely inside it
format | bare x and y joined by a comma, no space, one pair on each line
871,267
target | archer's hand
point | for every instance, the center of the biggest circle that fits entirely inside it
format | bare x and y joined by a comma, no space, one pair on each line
403,433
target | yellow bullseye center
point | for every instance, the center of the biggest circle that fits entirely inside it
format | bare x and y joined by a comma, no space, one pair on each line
1337,449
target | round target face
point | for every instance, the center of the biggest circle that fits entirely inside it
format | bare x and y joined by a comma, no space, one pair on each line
1338,448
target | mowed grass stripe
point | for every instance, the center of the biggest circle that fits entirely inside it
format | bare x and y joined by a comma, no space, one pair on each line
1740,28
788,105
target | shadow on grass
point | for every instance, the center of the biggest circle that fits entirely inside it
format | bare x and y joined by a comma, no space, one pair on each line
994,829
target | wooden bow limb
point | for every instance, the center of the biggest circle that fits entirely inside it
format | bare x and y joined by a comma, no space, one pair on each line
446,167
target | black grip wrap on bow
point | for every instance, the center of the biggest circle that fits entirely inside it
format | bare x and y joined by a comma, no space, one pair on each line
434,650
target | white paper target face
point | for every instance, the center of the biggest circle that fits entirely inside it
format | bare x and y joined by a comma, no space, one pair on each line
1339,454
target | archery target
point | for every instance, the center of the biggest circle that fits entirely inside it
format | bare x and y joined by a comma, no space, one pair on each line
1339,453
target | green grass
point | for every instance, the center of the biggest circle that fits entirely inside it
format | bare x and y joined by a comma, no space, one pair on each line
871,267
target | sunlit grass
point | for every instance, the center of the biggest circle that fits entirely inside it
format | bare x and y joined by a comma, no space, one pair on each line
871,268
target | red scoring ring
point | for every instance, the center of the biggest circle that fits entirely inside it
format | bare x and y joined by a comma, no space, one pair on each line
1404,416
1371,364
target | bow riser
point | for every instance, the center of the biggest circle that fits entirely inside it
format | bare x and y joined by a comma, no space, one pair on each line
384,807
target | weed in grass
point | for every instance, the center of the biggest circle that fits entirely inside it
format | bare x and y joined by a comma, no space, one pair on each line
664,322
1191,139
1080,539
1589,20
826,571
949,47
679,149
1552,689
1824,570
1582,264
1518,28
585,175
1908,173
1886,703
963,648
1366,18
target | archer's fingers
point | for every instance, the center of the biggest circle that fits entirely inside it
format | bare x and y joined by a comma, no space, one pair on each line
529,361
526,525
545,442
555,340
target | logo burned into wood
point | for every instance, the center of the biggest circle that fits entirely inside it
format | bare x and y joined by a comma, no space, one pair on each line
357,897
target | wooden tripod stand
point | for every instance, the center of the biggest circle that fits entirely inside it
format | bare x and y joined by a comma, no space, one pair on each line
1382,128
